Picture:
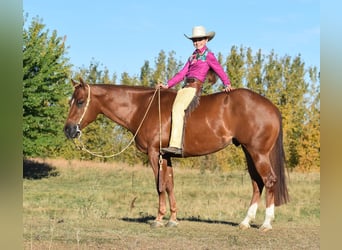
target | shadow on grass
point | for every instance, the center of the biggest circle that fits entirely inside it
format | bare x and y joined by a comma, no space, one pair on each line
196,219
34,170
147,219
233,224
143,219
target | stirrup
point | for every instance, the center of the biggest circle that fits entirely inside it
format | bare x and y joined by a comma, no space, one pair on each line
172,150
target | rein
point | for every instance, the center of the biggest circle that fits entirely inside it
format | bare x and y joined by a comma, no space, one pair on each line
99,154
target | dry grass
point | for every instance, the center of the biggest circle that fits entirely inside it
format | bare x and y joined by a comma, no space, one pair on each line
88,205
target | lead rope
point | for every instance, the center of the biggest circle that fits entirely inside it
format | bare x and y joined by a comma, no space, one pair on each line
160,133
82,146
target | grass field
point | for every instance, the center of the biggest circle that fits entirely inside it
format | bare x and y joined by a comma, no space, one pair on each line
88,205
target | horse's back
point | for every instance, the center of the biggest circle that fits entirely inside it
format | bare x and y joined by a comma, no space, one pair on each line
238,104
241,114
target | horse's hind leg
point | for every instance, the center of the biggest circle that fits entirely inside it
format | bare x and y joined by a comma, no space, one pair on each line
262,174
264,168
253,206
269,214
258,186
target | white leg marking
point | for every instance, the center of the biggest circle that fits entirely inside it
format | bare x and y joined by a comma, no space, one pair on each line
269,216
250,215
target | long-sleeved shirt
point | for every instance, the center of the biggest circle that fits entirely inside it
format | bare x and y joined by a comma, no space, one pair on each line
198,67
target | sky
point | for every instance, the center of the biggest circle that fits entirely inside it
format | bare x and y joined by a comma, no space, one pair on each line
122,35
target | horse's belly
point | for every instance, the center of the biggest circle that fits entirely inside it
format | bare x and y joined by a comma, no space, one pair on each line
201,143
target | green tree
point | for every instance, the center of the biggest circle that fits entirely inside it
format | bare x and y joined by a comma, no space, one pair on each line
45,91
309,150
254,71
293,106
273,78
159,74
145,74
172,66
235,66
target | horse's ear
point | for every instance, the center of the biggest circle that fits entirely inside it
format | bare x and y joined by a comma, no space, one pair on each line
81,81
74,83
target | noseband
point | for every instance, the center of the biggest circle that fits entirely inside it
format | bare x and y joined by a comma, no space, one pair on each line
78,129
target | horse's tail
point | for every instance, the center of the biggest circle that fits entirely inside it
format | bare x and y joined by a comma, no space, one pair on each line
277,158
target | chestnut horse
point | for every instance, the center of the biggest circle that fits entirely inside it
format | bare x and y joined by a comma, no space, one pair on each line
241,117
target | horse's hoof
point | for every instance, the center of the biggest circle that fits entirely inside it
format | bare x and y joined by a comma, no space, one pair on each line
244,226
265,228
172,223
157,224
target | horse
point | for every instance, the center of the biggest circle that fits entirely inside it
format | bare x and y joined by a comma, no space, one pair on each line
241,117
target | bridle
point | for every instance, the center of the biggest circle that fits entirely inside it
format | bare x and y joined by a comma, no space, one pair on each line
78,130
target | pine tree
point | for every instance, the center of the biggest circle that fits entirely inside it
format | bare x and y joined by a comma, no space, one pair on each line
45,90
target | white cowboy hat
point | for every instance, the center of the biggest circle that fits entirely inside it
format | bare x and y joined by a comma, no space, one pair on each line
199,31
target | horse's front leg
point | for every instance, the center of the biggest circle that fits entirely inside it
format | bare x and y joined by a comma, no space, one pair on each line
161,209
172,199
154,161
165,186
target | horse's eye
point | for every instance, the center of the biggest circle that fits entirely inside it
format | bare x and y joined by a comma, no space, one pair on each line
79,103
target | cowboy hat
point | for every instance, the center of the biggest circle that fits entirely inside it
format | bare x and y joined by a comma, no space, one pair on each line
199,31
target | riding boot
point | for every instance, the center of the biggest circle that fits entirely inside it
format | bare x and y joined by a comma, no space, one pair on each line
175,145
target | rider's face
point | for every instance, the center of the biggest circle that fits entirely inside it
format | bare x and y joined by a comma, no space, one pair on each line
199,43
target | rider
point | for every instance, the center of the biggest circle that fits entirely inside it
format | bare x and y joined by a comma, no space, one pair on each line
193,74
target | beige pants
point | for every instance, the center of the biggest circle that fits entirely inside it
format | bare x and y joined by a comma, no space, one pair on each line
181,103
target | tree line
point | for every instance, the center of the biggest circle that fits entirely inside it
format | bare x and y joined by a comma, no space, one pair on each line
286,81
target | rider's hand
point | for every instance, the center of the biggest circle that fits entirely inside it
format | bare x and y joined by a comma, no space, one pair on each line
228,88
161,85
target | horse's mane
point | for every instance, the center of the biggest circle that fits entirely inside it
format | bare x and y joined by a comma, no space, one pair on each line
211,76
115,85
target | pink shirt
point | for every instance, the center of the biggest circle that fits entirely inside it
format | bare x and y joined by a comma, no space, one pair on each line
198,68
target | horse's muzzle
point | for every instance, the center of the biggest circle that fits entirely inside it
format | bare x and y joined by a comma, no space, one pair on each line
72,131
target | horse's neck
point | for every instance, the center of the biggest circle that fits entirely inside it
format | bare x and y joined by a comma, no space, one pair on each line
121,105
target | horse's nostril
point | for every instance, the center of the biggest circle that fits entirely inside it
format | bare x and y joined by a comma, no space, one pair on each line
78,133
69,131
